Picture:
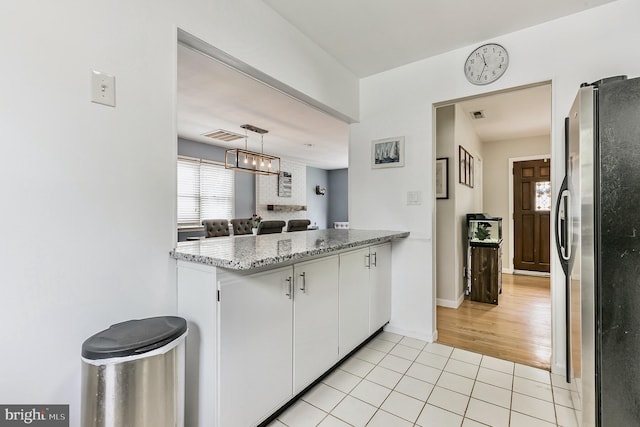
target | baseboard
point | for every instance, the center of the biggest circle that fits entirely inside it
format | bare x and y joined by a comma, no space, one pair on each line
449,303
507,270
531,273
559,369
412,334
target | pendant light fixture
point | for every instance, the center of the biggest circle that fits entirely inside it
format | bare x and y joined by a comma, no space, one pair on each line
249,161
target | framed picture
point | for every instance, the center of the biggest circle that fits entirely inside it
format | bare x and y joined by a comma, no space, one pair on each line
284,184
387,153
462,169
465,170
442,178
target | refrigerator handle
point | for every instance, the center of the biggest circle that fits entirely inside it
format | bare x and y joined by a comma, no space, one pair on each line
563,228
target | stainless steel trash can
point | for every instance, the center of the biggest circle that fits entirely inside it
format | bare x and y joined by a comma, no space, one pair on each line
133,374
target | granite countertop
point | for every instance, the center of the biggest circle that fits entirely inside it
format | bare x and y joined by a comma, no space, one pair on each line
246,252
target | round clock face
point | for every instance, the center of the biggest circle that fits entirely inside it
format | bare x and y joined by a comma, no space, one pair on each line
486,64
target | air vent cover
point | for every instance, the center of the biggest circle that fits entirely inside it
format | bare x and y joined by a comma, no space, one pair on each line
477,114
223,135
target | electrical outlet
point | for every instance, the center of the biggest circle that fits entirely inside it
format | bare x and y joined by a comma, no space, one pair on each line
103,88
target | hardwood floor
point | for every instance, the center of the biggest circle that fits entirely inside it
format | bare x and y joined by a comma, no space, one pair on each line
517,329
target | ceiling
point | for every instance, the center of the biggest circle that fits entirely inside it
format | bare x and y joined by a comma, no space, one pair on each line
371,36
511,115
213,96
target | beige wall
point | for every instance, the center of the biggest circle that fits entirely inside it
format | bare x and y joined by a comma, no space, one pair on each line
445,208
497,177
468,199
454,129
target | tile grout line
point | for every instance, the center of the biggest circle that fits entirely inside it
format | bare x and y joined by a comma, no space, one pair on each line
404,373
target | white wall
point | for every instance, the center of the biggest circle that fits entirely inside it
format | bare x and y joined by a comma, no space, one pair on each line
267,192
399,102
497,175
88,191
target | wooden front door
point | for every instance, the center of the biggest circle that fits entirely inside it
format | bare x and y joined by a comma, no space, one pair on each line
532,215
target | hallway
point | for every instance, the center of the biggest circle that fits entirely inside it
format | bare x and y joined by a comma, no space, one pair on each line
517,329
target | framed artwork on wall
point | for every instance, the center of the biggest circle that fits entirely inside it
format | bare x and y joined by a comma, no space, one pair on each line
284,184
387,153
442,178
465,170
462,165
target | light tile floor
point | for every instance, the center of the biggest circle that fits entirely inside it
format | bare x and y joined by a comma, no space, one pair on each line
396,381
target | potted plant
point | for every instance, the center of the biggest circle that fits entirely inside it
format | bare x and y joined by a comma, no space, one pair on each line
255,222
483,232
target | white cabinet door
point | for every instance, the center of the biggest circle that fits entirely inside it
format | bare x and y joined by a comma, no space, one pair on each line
315,324
255,345
380,291
353,299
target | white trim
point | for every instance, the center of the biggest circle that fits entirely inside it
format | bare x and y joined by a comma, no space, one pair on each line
450,303
512,160
531,273
412,334
507,270
194,43
559,369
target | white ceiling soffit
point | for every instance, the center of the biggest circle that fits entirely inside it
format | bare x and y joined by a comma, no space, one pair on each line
511,115
214,96
371,36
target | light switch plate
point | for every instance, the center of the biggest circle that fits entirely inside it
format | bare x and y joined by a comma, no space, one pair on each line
103,88
414,197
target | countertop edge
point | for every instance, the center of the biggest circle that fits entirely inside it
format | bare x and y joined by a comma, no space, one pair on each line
264,262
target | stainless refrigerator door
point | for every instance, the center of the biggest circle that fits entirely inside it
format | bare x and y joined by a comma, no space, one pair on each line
581,302
617,232
563,245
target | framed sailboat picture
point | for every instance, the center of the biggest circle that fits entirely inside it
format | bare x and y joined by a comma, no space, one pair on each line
387,153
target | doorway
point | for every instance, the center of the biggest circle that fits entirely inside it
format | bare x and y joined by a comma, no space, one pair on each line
512,124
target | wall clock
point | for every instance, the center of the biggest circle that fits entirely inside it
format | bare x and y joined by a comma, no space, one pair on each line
486,64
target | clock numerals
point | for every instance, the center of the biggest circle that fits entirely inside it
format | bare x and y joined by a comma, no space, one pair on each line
486,64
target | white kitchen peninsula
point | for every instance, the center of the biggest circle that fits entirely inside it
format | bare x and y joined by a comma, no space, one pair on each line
270,314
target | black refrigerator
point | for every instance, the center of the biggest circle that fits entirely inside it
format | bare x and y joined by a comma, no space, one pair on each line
598,238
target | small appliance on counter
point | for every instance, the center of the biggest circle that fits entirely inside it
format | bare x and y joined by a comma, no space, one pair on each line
484,257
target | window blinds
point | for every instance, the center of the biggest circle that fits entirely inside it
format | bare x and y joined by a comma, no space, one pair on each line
205,191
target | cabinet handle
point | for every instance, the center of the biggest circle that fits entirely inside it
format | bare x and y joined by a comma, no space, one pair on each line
375,259
367,261
303,285
289,287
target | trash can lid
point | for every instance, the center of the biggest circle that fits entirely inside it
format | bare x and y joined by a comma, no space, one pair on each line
134,337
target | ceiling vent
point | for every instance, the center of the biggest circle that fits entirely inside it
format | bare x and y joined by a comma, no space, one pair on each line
223,135
476,115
